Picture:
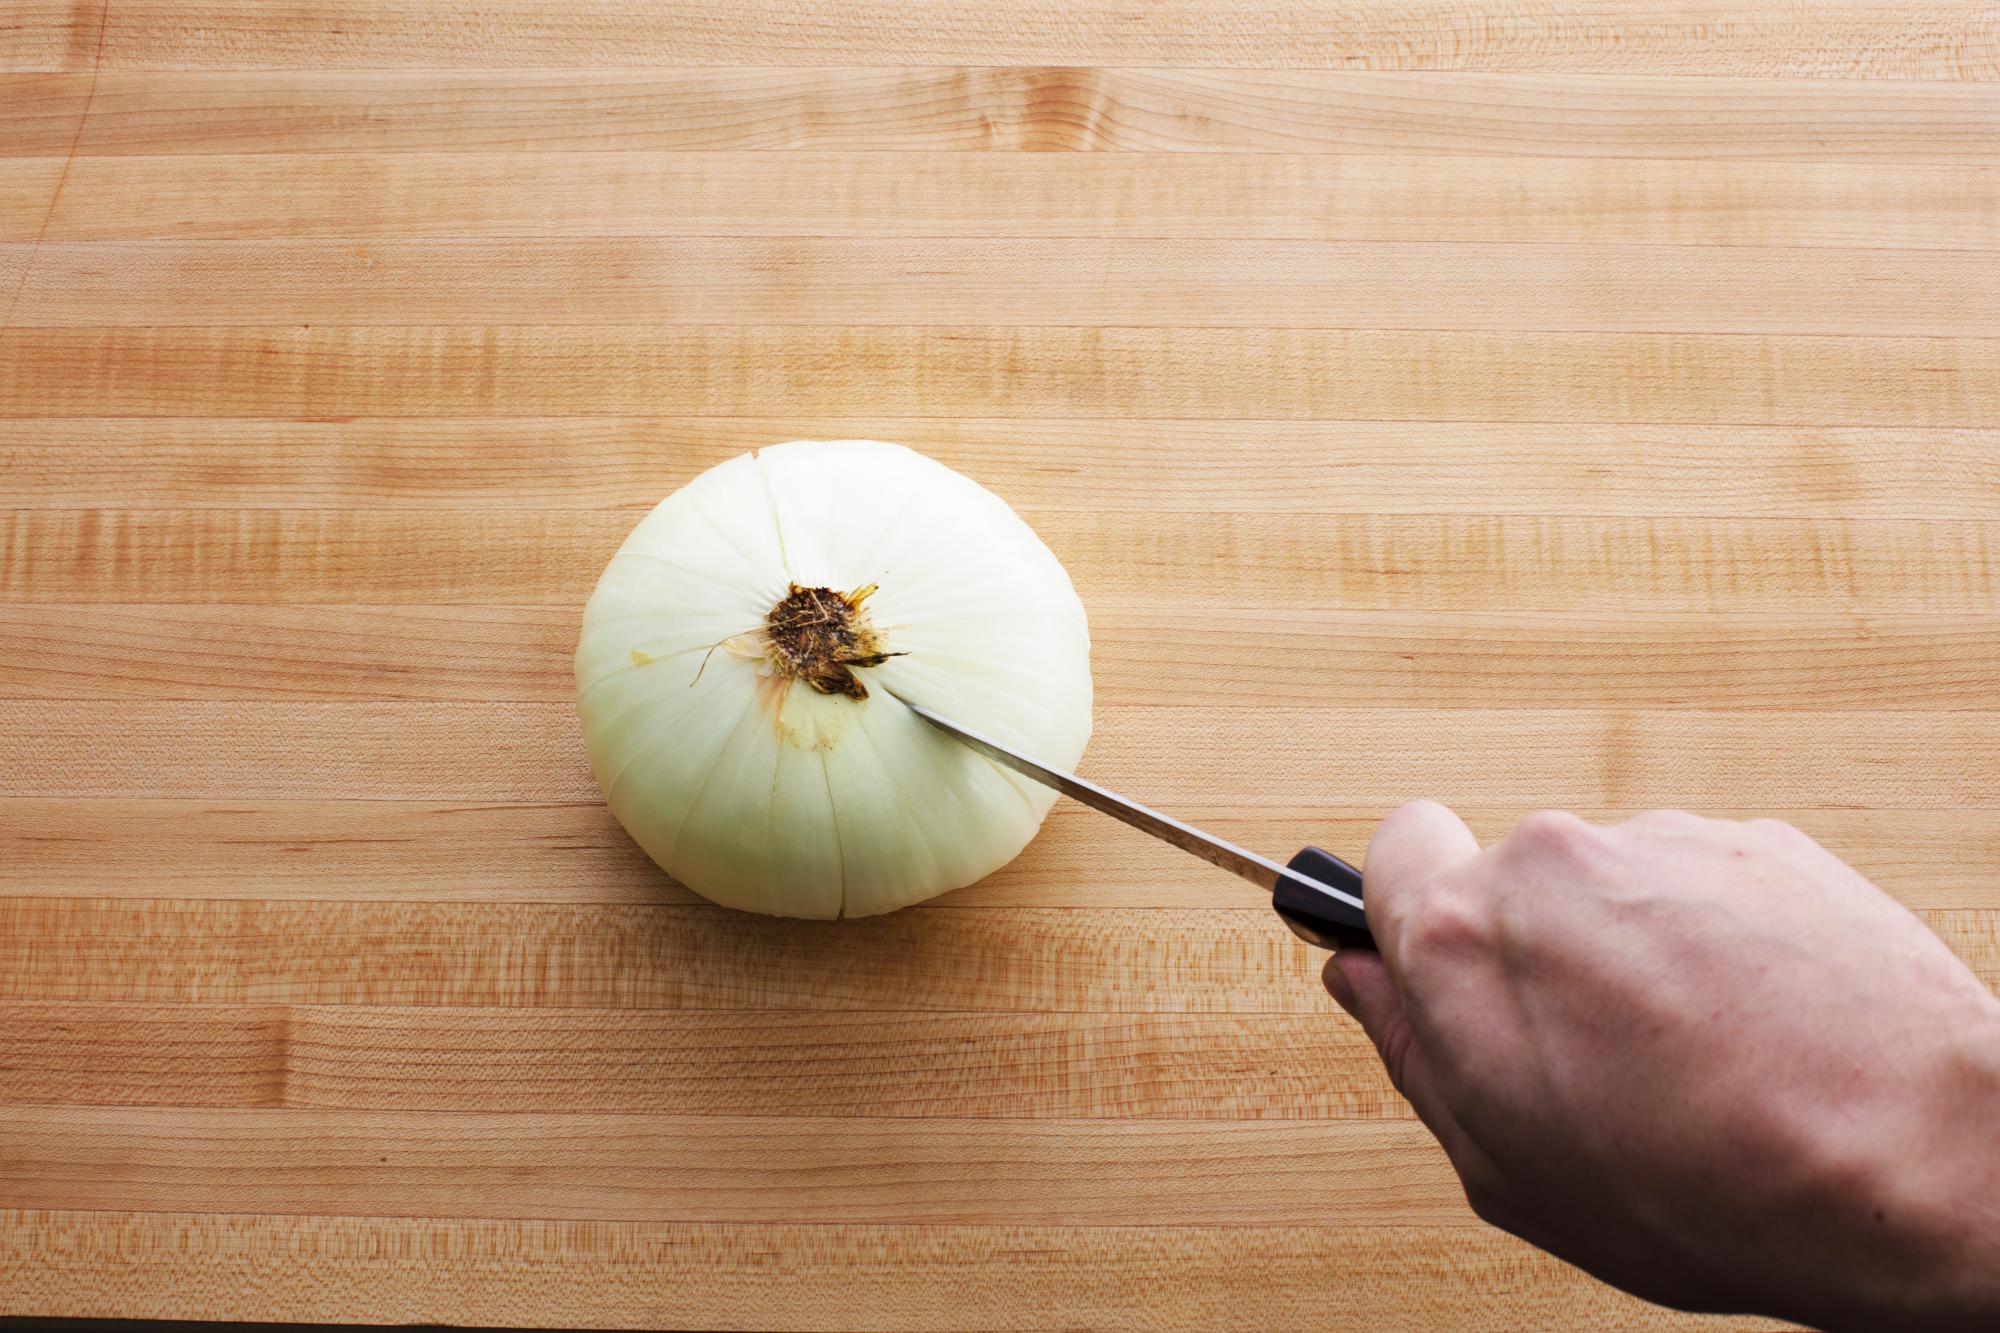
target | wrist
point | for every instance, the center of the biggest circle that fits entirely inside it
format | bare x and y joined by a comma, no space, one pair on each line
1936,1215
1961,1207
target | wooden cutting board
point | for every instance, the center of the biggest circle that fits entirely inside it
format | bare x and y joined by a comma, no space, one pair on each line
1515,407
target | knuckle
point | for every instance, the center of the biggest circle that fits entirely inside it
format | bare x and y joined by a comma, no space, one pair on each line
1777,831
1665,821
1555,831
1450,925
1412,812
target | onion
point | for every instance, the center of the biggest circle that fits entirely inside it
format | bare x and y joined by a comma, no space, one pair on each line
745,657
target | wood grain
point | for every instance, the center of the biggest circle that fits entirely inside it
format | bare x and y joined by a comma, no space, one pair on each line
534,752
1100,465
1130,196
760,1168
1218,960
431,851
1121,561
1036,960
1004,108
1284,658
1173,372
858,283
1942,39
720,1063
831,1277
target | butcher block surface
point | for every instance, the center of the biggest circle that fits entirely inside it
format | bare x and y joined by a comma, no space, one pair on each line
1503,404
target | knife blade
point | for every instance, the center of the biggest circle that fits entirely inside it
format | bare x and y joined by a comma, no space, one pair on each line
1328,914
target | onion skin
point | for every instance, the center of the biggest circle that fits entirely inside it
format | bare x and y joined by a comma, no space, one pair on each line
744,658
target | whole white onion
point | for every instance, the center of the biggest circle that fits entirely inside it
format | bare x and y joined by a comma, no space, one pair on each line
745,656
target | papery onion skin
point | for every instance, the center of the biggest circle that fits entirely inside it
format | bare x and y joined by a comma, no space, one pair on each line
781,772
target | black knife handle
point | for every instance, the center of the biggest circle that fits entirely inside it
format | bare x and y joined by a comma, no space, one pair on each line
1321,918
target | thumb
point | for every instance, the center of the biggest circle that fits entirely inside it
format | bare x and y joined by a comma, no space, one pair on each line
1410,850
1360,981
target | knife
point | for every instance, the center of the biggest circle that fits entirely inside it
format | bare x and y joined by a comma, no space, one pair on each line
1317,893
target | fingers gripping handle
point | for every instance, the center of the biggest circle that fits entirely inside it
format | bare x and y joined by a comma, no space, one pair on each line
1321,918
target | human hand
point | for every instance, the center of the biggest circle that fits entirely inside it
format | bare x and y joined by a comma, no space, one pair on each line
1706,1061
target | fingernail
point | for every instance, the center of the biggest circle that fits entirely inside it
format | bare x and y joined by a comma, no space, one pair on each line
1337,984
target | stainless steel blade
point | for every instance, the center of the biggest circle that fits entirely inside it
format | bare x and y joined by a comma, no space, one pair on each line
1188,838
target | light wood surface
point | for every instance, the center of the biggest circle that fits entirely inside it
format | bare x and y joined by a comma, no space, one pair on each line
1515,405
357,198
